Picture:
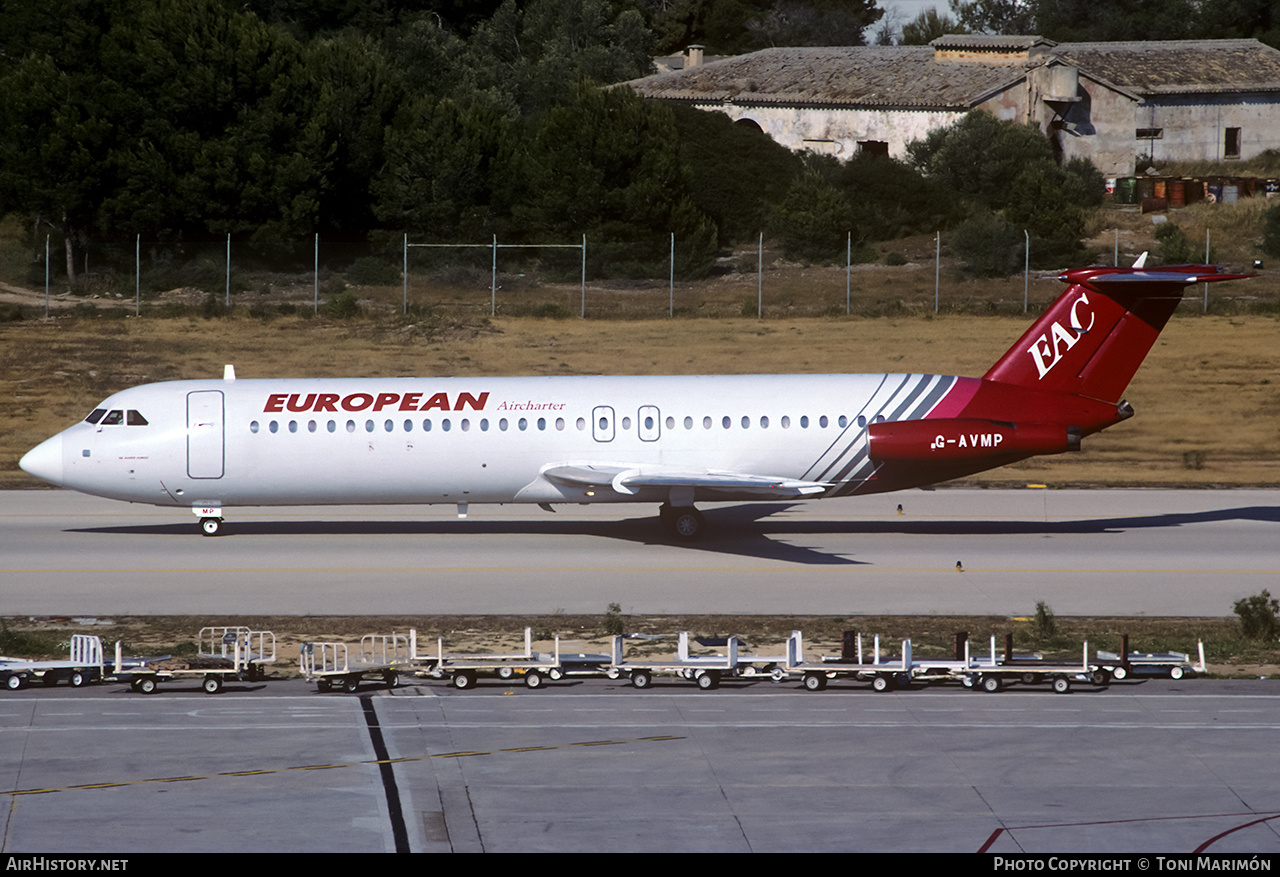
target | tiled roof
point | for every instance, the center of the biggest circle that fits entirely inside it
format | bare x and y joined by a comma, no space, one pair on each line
1179,67
881,76
909,76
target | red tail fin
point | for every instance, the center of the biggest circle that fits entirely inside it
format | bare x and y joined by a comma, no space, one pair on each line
1091,341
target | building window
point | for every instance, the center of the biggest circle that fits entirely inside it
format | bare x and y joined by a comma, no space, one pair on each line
1231,148
1150,134
874,147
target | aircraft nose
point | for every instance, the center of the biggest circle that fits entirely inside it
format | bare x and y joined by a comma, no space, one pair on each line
45,460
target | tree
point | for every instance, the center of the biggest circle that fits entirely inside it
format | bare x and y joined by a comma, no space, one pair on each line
996,16
928,26
813,221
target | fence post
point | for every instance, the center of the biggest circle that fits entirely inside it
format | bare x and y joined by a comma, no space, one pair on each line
848,267
584,276
228,272
405,273
137,276
671,303
493,281
760,279
315,274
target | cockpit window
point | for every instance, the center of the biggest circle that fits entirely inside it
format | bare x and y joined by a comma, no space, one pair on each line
95,415
115,418
136,419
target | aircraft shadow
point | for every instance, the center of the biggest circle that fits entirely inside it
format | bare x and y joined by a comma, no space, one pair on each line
750,530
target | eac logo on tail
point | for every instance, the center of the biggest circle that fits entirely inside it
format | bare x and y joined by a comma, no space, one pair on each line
1047,353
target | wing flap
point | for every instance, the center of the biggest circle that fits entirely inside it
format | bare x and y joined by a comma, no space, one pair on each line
629,479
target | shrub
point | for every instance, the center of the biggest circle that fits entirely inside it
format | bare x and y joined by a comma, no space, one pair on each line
343,306
1045,625
373,271
613,620
1258,616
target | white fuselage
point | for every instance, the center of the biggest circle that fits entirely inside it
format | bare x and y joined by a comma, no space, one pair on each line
483,440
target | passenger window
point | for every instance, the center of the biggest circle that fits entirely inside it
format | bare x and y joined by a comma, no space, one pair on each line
502,424
273,426
688,423
408,426
351,426
368,426
582,423
786,422
388,426
444,424
96,414
311,426
804,421
332,426
542,423
822,421
253,426
426,426
559,423
725,422
843,421
746,423
764,422
293,426
136,419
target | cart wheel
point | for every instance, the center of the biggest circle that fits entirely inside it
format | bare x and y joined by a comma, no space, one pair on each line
555,674
814,681
351,684
881,683
1030,678
147,685
613,673
391,678
533,679
505,672
710,680
991,684
135,683
323,685
13,683
641,679
1176,672
79,678
212,684
1119,673
777,674
463,679
1100,677
1061,684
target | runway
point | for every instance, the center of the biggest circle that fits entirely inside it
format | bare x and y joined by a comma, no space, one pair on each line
590,766
1086,552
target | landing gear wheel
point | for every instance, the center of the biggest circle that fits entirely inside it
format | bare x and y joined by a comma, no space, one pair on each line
814,682
686,524
533,679
212,684
210,526
641,679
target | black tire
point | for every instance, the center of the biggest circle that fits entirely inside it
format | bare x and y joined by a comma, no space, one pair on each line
881,683
78,678
685,523
814,682
1061,684
641,679
13,682
991,684
533,679
709,681
147,685
1176,672
463,679
211,526
212,684
351,684
1100,677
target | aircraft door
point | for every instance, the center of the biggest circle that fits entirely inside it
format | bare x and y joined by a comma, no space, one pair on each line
205,449
649,422
602,423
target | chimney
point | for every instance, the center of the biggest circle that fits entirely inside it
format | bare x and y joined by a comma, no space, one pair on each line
694,57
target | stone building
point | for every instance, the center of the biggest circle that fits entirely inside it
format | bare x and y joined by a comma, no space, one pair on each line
1108,102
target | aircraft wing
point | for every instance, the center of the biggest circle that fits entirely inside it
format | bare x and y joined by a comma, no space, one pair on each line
628,479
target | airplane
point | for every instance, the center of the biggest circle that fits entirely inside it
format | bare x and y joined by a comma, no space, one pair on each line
209,445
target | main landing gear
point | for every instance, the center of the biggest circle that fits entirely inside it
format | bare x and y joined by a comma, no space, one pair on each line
683,522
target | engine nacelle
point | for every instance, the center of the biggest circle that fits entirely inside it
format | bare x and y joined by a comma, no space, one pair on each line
961,438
